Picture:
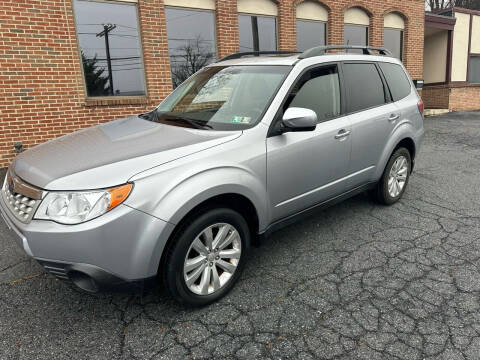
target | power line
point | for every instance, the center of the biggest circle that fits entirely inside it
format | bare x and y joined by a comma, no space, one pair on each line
119,35
121,25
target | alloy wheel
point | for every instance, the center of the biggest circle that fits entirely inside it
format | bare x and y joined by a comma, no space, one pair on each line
397,177
212,258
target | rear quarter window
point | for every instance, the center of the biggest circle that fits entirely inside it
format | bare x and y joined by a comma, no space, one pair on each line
397,80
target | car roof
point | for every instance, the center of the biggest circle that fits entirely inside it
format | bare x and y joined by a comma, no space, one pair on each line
292,60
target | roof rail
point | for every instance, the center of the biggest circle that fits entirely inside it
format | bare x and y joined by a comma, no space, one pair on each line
322,50
257,53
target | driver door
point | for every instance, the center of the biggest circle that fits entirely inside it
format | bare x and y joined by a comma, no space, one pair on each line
306,168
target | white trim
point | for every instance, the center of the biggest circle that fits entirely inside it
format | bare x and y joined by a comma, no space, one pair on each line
356,16
475,45
259,7
114,1
394,21
193,4
460,47
309,10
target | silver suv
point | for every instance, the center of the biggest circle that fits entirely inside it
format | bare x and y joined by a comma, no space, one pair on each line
240,149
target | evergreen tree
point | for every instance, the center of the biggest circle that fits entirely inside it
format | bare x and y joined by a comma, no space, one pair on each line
94,79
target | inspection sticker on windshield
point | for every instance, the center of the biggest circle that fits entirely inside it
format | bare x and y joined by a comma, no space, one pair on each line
241,119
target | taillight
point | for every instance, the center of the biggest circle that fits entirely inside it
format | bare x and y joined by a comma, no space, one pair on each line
420,106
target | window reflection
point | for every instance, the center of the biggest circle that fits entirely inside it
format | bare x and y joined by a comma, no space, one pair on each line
257,33
356,35
110,48
474,69
191,41
393,41
310,33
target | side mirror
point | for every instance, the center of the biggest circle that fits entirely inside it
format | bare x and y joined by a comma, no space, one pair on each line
299,119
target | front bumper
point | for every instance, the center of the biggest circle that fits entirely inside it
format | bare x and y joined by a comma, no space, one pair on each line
121,247
93,279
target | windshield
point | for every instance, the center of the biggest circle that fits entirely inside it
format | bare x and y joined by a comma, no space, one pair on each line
222,97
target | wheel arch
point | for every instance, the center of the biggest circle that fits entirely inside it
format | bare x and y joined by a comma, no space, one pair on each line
407,143
235,201
404,139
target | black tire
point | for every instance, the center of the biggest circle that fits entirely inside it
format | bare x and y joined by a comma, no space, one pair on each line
173,269
381,193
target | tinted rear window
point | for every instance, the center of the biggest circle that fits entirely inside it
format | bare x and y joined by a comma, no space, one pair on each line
364,86
396,79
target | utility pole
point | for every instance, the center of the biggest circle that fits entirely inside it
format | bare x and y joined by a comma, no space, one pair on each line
106,29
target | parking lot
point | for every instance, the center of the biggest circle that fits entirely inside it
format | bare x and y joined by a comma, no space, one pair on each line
356,281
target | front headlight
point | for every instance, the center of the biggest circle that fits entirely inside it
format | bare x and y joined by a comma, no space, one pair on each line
79,206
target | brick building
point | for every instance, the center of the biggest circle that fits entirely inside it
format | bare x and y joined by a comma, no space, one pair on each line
452,60
69,64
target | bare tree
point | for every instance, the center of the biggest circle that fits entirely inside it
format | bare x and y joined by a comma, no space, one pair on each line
189,59
434,5
468,4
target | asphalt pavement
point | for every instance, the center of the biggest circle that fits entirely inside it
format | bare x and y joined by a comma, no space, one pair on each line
356,281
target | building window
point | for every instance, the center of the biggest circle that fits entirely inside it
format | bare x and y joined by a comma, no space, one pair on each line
356,35
356,26
257,25
191,41
310,34
393,41
257,33
474,69
393,34
311,25
110,48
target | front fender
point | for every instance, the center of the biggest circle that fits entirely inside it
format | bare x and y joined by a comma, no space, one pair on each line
178,196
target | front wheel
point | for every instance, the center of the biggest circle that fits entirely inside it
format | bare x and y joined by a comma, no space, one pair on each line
395,178
207,256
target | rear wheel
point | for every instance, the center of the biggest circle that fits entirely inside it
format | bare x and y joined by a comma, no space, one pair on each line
395,178
207,256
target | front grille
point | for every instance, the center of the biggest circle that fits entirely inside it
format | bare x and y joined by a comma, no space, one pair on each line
21,206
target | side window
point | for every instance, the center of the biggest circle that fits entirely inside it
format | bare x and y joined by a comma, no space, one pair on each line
397,80
317,90
364,86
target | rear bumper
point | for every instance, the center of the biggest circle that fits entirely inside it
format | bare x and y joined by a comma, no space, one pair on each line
120,249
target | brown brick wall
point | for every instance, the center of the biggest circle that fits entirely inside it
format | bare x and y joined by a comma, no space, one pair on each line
42,94
461,98
452,96
436,97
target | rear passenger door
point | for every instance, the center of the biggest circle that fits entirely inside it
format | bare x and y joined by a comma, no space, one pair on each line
372,115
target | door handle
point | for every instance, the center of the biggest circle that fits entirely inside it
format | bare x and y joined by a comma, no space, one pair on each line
342,133
393,117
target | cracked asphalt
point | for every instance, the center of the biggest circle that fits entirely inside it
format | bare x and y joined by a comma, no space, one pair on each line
356,281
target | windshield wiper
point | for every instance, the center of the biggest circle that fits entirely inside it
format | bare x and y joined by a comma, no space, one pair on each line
195,123
151,115
155,117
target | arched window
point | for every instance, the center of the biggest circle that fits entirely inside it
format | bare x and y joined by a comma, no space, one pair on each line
191,36
394,26
356,27
312,21
257,25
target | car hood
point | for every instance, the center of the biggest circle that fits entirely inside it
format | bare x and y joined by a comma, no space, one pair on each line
111,153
